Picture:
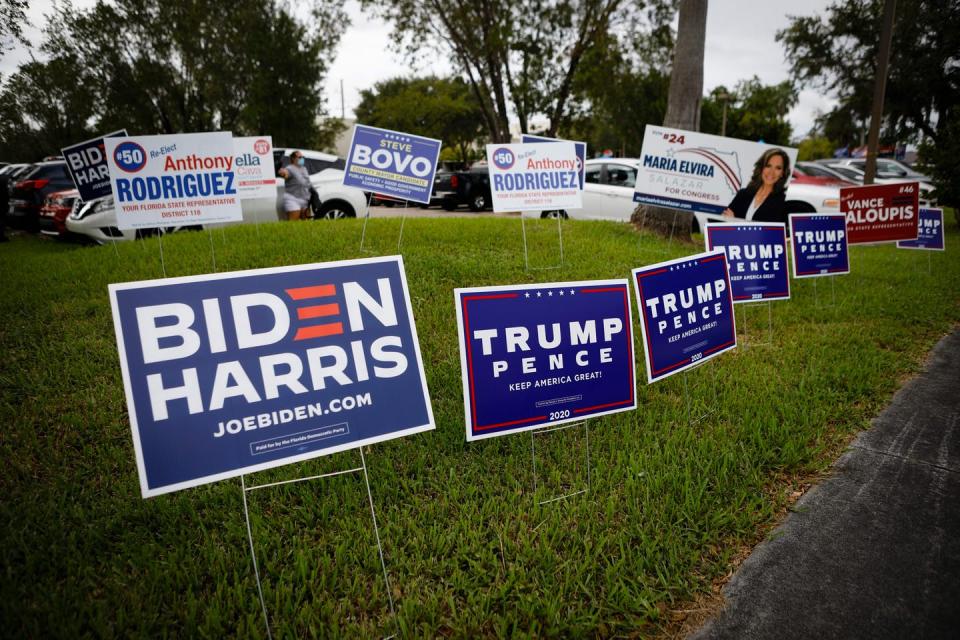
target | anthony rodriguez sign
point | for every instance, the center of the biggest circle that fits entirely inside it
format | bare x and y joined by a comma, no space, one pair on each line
686,312
544,354
534,176
173,180
756,256
819,244
231,373
880,212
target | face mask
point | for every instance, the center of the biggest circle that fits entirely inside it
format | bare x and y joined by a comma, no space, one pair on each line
300,162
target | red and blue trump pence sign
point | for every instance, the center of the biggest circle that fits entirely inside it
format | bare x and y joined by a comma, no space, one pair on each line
819,244
544,354
756,257
231,373
686,312
929,232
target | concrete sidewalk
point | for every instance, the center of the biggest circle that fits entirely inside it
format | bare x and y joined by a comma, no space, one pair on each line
874,551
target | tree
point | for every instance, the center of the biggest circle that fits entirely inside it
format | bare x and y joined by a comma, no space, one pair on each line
683,107
815,147
837,52
13,15
754,111
519,57
152,66
441,108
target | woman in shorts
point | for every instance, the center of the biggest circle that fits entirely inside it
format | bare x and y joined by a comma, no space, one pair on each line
296,188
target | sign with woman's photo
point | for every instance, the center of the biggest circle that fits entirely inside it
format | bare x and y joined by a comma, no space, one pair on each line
819,244
392,163
686,312
544,354
929,232
699,172
756,256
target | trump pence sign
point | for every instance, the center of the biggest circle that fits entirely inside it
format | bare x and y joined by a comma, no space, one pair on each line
880,212
173,180
756,257
930,232
686,312
819,244
392,163
231,373
544,354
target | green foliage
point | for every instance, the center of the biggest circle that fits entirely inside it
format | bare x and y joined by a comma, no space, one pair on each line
13,16
815,147
468,552
754,111
442,108
837,52
165,67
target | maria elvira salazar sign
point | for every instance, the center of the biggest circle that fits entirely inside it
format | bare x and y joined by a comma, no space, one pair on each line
231,373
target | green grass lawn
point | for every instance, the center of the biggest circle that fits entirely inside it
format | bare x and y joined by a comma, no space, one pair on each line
468,552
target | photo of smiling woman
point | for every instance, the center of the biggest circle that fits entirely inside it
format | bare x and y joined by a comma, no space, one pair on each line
762,199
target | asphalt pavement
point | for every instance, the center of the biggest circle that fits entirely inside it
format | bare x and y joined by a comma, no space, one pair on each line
874,550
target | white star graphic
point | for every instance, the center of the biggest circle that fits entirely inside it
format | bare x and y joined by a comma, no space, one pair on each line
572,292
539,294
550,293
526,295
561,291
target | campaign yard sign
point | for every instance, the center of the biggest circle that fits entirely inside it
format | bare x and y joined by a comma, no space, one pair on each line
253,159
392,163
686,312
581,148
880,212
756,257
231,373
534,176
544,354
180,179
693,171
87,166
929,232
819,244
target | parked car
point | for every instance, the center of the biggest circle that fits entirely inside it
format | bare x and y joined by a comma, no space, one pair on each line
610,182
856,175
97,220
887,168
452,189
816,173
28,192
53,214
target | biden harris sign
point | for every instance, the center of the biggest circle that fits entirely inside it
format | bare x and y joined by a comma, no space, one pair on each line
232,373
544,354
686,312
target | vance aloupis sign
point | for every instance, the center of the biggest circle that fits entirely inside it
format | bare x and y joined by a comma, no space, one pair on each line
231,373
544,354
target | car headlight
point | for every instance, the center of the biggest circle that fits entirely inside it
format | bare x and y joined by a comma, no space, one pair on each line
94,206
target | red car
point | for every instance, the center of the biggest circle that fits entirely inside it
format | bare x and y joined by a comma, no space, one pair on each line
52,217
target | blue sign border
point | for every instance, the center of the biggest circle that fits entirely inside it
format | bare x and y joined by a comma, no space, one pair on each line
464,295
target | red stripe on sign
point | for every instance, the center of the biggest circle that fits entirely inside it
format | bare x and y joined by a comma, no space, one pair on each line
603,406
650,273
318,291
507,424
319,331
318,311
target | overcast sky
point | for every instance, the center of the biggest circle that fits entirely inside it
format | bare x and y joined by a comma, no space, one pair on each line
740,44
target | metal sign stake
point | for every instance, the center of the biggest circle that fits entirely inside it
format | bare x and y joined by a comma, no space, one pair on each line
403,219
366,219
533,456
163,266
526,258
213,253
688,398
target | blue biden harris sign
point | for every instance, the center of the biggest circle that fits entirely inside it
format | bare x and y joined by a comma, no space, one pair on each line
232,373
392,163
686,312
544,354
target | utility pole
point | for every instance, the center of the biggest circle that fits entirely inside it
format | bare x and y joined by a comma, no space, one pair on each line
723,127
879,90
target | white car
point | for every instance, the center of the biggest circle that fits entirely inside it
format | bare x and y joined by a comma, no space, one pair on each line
97,219
854,171
608,194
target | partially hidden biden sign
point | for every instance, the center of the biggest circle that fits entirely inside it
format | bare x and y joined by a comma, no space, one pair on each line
756,257
534,176
173,180
392,163
544,354
253,162
693,171
930,232
87,166
819,244
686,312
232,373
880,212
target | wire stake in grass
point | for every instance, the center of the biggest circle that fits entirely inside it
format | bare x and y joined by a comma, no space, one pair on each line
213,253
533,456
366,219
403,219
526,255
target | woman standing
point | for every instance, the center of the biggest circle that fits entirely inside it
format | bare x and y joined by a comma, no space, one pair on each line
762,200
296,188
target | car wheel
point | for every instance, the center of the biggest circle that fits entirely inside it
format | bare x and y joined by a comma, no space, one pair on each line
336,209
478,201
555,213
